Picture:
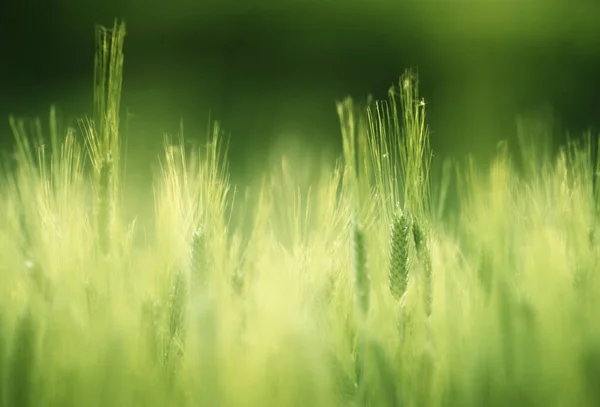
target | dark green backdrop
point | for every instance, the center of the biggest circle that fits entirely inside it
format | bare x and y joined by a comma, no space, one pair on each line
269,69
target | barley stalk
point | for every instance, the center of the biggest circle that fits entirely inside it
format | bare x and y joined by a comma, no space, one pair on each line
590,367
385,373
22,364
405,321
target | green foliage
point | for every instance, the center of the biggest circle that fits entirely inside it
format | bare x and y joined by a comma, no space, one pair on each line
346,288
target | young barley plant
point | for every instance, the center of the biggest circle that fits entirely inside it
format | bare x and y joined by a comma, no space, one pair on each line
102,135
327,257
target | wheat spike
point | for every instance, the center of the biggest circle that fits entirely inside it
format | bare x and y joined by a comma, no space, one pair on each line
362,297
105,203
398,268
361,276
418,237
177,308
425,259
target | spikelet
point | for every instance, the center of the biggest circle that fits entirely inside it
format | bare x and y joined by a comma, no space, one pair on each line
361,276
399,243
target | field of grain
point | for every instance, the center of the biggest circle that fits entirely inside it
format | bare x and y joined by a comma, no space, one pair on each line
348,283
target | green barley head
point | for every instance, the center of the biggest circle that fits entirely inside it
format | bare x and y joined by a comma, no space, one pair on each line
104,202
177,307
361,276
399,244
425,259
418,236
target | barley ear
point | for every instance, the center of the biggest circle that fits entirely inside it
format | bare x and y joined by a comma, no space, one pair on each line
177,308
398,268
177,300
104,202
361,276
425,259
361,292
103,139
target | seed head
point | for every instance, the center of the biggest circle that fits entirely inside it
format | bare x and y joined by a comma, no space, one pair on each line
398,269
361,276
425,259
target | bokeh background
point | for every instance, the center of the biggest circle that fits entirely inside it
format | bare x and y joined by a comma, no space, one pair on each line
273,70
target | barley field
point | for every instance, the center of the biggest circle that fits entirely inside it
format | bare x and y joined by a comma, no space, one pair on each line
349,283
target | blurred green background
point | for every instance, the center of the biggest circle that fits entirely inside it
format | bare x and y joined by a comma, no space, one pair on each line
273,70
